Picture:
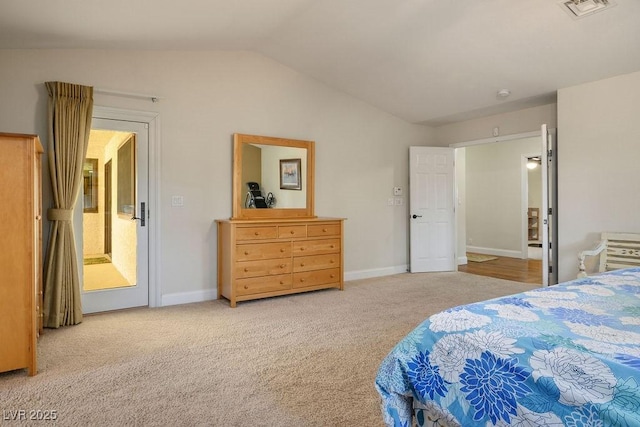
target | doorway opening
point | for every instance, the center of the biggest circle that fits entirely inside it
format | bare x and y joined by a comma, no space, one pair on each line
108,259
500,213
133,173
140,187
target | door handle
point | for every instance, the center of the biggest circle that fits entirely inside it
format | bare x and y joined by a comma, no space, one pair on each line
414,216
143,214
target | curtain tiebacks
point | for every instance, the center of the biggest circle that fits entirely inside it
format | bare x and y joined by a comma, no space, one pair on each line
60,214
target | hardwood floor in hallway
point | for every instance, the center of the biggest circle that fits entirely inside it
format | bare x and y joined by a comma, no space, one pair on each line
516,269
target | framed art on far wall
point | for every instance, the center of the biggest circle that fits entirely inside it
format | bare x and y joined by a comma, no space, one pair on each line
290,174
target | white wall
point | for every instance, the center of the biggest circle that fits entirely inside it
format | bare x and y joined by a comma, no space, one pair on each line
270,167
598,171
361,152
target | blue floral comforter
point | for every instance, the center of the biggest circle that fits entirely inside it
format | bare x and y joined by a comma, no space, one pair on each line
566,355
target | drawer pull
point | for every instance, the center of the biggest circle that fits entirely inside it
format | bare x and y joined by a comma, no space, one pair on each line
246,286
282,266
331,261
281,282
282,250
246,269
333,276
302,264
301,280
324,230
301,249
292,232
333,246
246,252
257,233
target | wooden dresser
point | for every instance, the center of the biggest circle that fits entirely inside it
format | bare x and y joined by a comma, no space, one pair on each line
20,251
265,258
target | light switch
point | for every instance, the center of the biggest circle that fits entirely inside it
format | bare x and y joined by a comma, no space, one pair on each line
390,201
398,201
177,201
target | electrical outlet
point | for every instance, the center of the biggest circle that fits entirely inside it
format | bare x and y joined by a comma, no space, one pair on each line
177,201
397,191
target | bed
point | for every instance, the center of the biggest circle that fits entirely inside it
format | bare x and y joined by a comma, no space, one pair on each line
565,355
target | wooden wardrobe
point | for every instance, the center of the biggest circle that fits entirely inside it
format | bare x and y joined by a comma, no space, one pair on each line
20,251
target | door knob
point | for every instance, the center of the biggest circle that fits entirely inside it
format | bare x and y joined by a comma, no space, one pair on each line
414,216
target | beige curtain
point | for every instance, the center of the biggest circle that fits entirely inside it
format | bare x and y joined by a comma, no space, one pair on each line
70,110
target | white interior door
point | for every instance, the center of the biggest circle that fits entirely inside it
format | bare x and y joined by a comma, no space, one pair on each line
552,197
548,226
544,215
121,279
431,209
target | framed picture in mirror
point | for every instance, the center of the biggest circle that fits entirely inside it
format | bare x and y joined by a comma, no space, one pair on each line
290,174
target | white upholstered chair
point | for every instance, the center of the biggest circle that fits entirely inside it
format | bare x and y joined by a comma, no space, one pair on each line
616,250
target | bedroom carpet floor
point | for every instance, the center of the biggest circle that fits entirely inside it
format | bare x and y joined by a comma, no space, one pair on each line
301,360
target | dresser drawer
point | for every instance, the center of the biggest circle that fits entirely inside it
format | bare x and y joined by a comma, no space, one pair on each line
315,278
317,230
256,233
316,247
267,267
255,251
285,231
258,285
316,262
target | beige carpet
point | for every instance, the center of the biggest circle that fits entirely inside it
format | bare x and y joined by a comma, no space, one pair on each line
302,360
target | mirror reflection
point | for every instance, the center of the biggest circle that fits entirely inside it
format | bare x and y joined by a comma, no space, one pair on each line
90,185
272,176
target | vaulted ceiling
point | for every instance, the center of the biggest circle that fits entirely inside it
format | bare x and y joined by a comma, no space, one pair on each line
426,61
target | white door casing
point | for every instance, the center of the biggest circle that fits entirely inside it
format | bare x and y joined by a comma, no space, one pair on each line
432,209
549,192
138,294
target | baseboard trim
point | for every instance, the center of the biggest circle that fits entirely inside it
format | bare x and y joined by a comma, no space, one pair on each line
210,294
375,272
189,297
495,252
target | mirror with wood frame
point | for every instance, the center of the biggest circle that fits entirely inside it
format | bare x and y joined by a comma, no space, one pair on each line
272,177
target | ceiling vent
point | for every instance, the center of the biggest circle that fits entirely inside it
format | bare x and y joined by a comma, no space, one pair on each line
580,8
